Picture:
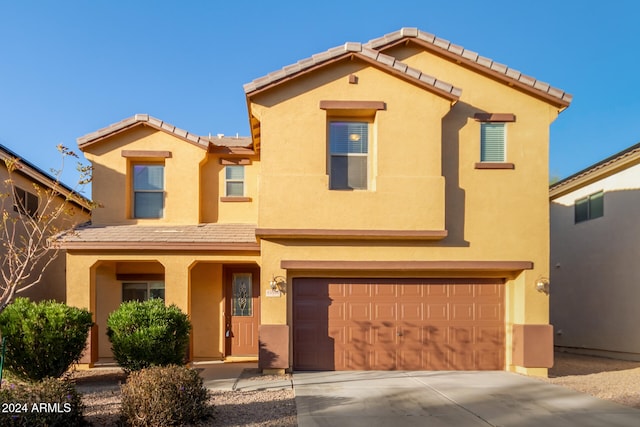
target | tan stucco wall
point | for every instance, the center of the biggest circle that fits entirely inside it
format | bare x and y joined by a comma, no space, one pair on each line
423,176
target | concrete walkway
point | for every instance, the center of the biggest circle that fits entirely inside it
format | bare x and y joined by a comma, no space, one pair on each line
426,398
458,399
222,376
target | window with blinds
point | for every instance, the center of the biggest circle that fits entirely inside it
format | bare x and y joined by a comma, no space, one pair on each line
492,142
349,152
234,176
148,191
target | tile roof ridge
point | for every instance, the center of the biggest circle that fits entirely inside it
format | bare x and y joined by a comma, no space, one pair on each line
359,49
472,57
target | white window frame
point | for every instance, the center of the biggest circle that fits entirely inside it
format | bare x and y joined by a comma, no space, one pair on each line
135,191
228,180
332,154
483,142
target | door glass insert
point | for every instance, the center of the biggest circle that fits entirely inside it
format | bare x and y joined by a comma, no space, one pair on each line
242,289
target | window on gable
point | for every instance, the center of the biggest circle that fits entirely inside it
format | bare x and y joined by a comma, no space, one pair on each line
26,203
142,291
589,207
148,191
492,142
349,152
234,178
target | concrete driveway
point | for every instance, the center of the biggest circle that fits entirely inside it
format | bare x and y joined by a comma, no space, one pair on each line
459,399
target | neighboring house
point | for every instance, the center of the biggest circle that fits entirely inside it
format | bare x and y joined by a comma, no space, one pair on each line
377,218
26,177
594,247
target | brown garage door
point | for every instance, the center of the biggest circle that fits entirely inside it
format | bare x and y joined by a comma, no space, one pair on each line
407,324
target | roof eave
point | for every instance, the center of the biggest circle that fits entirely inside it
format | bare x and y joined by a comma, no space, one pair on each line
602,169
560,100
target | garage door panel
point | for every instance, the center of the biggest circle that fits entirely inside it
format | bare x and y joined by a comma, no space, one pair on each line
359,311
399,324
462,290
462,312
489,312
385,290
437,312
412,311
384,311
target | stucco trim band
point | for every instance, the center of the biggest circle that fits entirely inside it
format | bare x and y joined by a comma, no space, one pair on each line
294,233
533,346
408,265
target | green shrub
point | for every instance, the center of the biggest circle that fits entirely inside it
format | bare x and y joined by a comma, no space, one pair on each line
164,396
145,334
50,402
43,339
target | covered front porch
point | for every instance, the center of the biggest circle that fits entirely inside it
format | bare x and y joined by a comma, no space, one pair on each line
220,296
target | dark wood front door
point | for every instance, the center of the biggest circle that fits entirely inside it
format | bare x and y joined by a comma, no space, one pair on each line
242,311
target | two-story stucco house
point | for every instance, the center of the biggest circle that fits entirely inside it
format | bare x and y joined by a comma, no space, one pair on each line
594,251
27,180
389,211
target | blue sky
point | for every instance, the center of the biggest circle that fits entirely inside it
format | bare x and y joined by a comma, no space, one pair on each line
68,68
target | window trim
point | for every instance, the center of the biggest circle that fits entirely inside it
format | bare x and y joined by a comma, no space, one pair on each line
134,192
367,155
228,180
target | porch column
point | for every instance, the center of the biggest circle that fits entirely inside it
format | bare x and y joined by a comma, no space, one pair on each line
81,293
176,283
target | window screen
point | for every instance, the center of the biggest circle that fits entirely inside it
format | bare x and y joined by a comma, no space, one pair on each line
349,147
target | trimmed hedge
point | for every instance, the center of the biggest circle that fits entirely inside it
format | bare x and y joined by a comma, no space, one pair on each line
43,339
148,333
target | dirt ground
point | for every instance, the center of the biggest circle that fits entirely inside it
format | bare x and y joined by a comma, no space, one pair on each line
608,379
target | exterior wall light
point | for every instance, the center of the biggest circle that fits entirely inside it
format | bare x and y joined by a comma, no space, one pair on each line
277,283
542,285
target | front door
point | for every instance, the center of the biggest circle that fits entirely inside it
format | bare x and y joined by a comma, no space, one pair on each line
242,311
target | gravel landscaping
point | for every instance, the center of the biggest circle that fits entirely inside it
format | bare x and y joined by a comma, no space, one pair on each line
608,379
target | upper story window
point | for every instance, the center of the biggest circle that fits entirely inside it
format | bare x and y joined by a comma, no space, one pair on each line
148,190
26,203
234,181
492,142
589,207
349,152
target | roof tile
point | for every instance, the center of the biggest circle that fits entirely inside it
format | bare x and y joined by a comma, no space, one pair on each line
359,49
471,56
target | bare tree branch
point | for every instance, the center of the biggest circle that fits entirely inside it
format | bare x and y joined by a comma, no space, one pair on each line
30,219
